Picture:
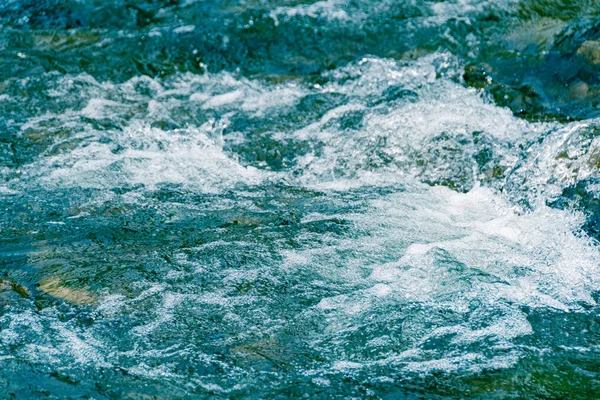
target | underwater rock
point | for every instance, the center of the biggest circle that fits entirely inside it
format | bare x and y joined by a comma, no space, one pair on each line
263,354
583,196
7,285
53,286
537,34
523,99
590,51
551,75
246,220
457,162
579,90
478,76
444,162
566,158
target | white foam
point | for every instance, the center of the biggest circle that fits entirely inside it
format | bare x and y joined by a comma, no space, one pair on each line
185,29
469,254
565,156
7,192
465,9
396,138
100,108
136,153
356,12
148,156
328,9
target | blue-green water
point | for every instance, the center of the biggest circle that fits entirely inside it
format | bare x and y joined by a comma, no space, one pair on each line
330,199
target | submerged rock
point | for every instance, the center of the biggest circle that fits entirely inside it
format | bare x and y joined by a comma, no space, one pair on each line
53,286
590,51
584,196
542,70
266,354
552,164
579,90
445,161
7,285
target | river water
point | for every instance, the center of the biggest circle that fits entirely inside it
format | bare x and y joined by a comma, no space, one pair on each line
295,198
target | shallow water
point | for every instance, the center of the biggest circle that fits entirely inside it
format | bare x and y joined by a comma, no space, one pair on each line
331,199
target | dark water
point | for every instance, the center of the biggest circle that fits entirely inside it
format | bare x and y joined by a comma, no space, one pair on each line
331,199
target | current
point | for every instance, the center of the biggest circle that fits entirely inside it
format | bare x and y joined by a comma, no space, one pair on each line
252,199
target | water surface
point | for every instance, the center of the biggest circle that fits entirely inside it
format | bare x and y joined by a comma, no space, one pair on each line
285,199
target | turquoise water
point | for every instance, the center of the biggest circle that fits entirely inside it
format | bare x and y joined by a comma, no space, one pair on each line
330,199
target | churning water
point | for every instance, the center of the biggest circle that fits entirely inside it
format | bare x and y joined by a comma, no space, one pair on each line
284,199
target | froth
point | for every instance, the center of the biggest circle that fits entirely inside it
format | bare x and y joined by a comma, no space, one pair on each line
467,264
150,132
410,121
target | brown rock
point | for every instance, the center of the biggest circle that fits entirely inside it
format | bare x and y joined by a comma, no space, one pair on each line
54,287
590,51
578,90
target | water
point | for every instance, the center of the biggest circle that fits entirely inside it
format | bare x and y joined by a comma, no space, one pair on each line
331,199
